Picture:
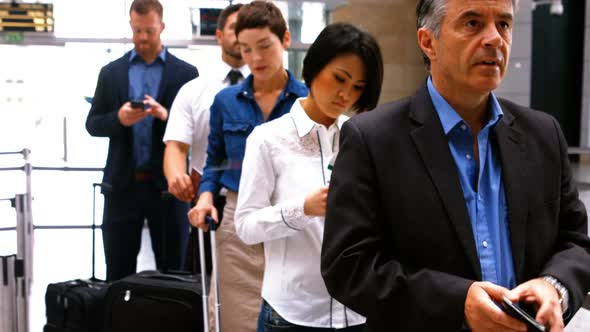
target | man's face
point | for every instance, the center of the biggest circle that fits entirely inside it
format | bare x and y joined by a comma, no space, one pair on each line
472,50
146,33
227,37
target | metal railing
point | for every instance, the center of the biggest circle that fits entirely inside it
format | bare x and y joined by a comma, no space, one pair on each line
25,227
22,203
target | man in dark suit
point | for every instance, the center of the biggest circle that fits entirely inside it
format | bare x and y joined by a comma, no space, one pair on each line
148,74
442,203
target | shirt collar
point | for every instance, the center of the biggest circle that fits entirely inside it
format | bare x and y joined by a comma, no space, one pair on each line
304,124
449,118
225,68
134,55
245,88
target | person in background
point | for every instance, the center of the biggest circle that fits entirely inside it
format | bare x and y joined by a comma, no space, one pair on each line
133,175
265,95
284,182
445,202
188,125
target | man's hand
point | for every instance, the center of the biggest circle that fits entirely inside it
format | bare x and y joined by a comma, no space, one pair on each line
129,116
203,208
545,297
483,314
155,109
179,183
181,186
315,202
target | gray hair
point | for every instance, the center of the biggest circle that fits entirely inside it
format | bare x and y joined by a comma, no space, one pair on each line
430,14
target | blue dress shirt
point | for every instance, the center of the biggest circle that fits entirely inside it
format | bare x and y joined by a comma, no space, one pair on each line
144,79
484,192
234,114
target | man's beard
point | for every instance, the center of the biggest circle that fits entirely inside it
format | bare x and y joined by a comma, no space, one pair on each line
232,53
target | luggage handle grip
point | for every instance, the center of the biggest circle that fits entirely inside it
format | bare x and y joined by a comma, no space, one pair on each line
213,226
103,185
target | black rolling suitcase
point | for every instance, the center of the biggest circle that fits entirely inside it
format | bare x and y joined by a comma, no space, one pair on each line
153,301
77,305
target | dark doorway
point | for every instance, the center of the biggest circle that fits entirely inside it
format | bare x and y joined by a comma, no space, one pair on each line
557,64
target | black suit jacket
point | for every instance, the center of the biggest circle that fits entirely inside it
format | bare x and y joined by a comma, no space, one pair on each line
398,244
112,91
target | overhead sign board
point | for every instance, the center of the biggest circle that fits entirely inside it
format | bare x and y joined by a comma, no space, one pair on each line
26,17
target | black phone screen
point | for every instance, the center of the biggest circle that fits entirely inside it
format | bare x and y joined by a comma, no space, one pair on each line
516,312
137,104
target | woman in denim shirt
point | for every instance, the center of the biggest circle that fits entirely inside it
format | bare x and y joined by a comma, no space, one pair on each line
284,184
266,94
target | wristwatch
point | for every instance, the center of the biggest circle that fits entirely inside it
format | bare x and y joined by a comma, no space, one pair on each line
561,290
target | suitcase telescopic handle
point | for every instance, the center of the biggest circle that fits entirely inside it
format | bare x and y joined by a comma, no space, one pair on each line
105,186
212,227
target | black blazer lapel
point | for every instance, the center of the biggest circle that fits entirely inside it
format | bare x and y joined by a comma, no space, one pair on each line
514,164
121,73
432,146
169,67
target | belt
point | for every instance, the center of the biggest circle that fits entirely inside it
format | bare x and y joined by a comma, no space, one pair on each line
143,176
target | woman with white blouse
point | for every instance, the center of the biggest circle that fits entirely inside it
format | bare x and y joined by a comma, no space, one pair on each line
285,175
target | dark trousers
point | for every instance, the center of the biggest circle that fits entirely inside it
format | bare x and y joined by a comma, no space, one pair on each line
124,215
192,261
270,321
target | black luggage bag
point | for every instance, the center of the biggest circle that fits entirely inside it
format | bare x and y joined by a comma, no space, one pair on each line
160,301
155,301
77,305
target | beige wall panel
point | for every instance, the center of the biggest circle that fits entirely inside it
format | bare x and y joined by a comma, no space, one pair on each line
392,22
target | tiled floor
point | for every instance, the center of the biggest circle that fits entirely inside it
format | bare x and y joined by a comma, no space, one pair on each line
61,255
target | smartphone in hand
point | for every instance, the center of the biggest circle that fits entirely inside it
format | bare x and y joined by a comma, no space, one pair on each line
515,311
137,104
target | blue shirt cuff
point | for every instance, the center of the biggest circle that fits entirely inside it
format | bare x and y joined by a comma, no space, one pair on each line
208,187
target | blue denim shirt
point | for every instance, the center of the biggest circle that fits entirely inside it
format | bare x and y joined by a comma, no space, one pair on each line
484,196
144,79
234,114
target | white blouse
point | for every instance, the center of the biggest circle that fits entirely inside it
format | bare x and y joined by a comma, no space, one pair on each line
285,160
